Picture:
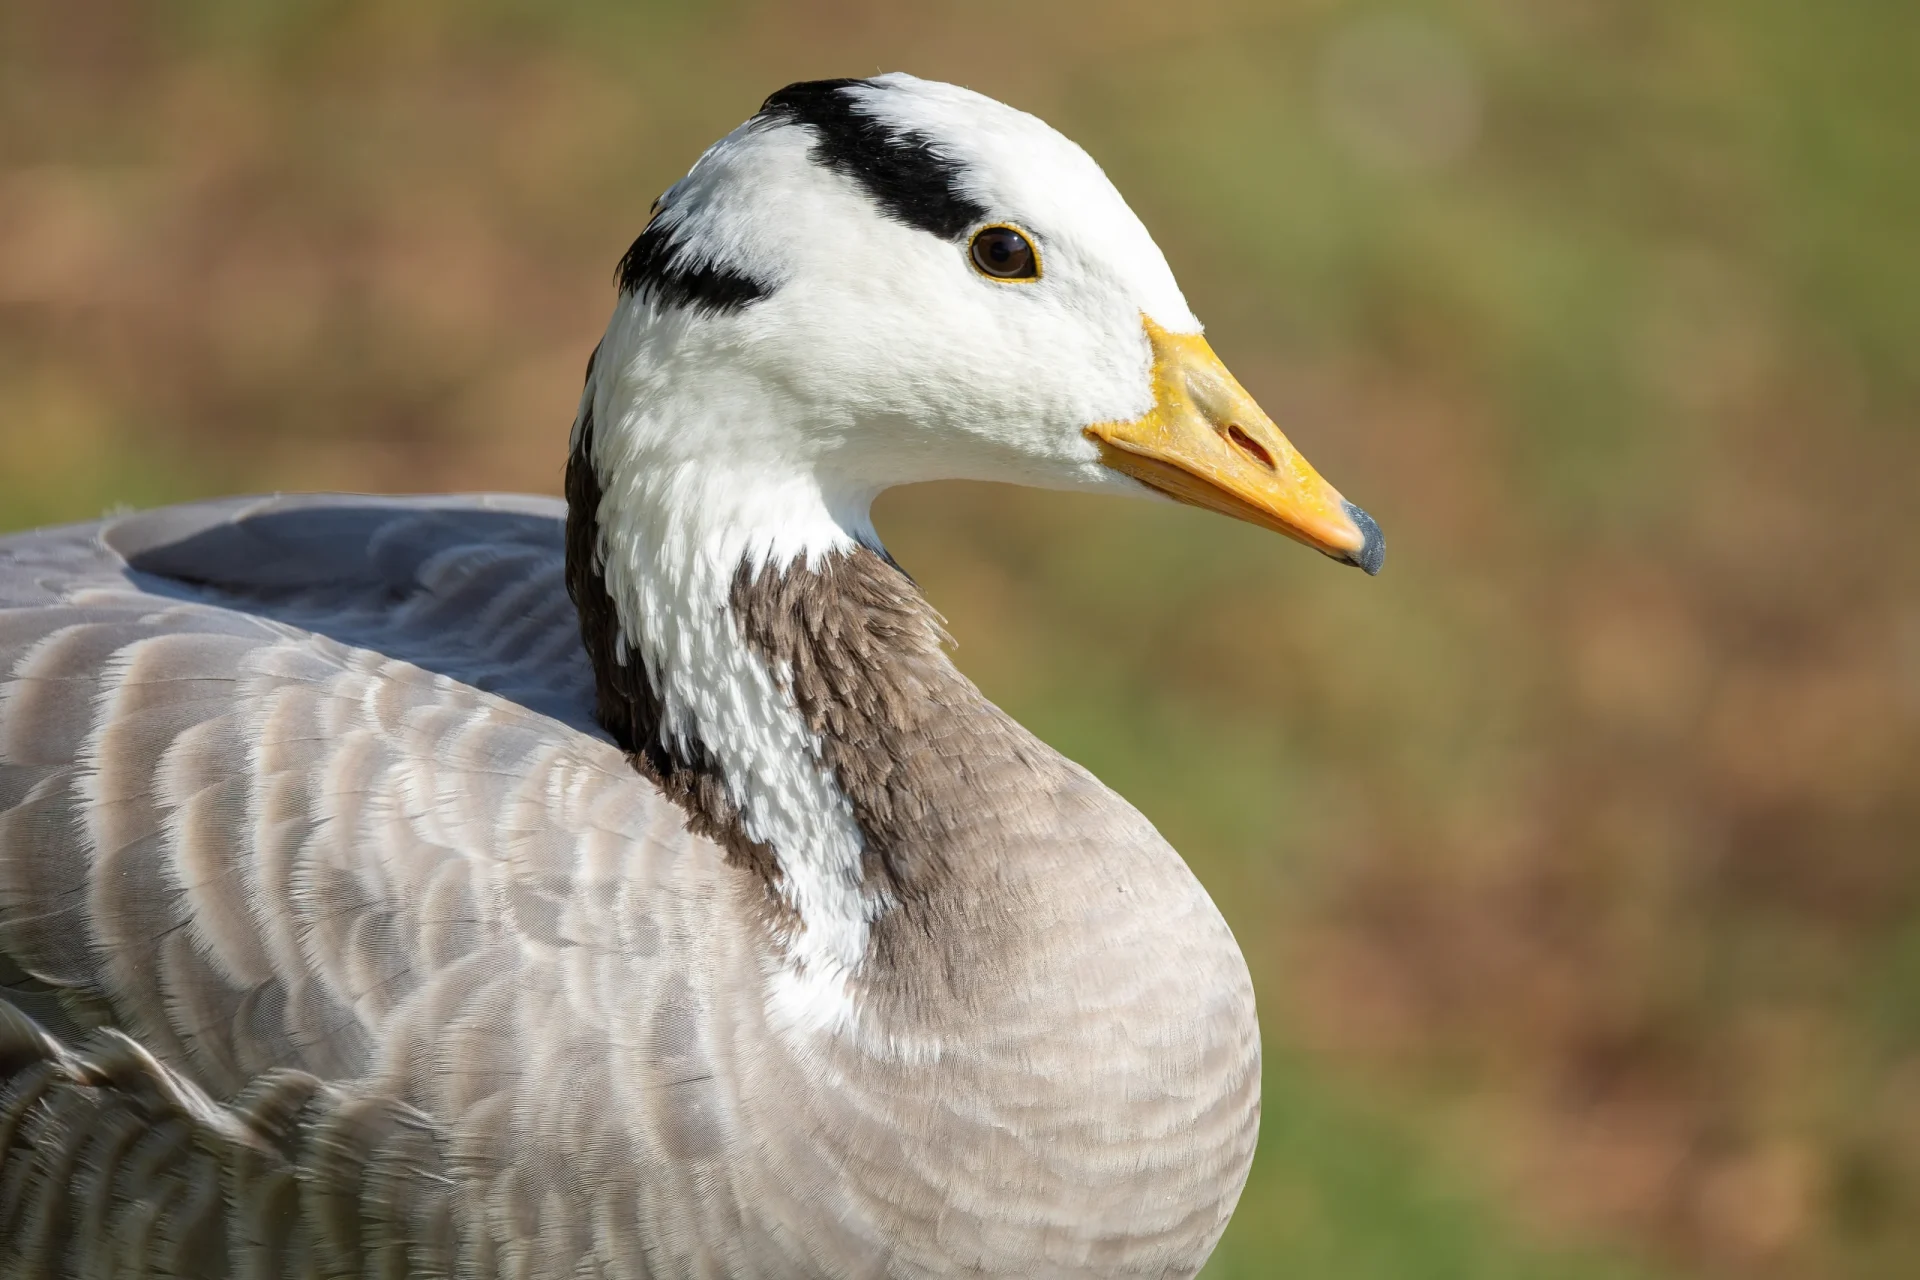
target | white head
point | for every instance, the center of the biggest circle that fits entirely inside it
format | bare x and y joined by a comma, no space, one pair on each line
806,313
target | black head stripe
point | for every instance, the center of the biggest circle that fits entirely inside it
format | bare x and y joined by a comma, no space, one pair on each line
899,168
659,266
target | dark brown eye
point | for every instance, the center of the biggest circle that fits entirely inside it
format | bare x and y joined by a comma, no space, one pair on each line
1005,254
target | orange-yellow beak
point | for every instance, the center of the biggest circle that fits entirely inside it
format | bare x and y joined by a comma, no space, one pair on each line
1207,443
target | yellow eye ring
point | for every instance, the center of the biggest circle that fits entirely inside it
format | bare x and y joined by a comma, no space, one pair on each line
1004,253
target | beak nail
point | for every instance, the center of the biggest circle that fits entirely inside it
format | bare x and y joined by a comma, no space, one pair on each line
1373,551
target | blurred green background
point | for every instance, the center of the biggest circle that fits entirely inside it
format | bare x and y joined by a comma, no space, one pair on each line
1577,856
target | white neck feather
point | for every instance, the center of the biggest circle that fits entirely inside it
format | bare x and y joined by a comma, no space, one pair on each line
676,526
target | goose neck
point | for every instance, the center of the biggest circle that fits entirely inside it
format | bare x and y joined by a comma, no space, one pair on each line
754,653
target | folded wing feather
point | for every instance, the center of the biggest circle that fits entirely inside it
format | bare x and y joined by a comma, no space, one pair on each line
315,880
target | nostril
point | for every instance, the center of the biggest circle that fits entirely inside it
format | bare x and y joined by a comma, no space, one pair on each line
1249,446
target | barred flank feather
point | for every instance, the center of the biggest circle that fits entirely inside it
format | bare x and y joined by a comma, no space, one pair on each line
112,1164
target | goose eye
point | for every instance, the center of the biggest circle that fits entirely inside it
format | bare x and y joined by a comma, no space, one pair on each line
1005,254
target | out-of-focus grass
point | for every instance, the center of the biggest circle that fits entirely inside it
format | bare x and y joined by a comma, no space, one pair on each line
1337,1193
1573,855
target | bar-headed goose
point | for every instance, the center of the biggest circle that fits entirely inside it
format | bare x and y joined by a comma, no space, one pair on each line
357,918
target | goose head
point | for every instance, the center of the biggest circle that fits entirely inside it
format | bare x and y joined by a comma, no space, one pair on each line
876,282
869,283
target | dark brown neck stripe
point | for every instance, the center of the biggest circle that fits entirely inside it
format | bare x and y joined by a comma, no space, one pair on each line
625,701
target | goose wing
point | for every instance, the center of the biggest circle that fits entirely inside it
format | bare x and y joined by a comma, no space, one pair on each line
311,859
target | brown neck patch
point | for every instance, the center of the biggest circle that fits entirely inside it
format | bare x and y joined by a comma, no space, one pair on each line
904,733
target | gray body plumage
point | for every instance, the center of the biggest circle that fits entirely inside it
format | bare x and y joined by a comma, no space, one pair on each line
339,940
